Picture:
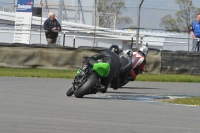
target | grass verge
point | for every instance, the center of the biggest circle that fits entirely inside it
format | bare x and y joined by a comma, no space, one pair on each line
187,101
40,73
168,78
47,73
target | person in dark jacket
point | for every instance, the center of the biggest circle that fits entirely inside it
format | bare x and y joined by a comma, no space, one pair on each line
51,27
110,56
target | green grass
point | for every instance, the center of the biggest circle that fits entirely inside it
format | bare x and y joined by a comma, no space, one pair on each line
47,73
188,101
40,73
168,78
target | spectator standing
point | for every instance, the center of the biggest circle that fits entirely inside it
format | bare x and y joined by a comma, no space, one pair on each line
195,31
51,27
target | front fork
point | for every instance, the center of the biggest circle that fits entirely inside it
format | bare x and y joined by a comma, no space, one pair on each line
78,82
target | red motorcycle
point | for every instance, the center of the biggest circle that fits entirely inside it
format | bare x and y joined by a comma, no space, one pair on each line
138,64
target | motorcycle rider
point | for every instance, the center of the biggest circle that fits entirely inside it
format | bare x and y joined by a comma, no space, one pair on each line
110,56
126,60
138,62
126,66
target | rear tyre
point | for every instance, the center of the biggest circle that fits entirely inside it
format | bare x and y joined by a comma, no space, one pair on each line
91,82
70,92
123,83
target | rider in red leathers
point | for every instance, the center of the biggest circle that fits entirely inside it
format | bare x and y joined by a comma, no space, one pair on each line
138,62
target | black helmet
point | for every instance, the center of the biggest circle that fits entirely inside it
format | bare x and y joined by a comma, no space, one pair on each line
114,48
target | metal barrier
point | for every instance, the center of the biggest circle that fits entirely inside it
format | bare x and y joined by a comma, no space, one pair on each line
65,38
86,38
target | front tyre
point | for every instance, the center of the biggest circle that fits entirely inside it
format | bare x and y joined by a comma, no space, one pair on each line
70,92
91,82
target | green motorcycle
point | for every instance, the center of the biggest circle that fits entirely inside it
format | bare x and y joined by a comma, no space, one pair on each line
88,81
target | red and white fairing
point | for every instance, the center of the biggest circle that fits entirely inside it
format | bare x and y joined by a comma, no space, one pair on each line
137,63
137,59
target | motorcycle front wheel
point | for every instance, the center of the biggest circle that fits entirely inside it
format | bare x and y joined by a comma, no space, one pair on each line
70,92
91,82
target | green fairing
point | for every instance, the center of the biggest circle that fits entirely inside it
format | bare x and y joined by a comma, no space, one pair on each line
78,72
102,68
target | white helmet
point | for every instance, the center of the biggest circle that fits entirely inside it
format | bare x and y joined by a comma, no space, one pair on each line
144,50
128,52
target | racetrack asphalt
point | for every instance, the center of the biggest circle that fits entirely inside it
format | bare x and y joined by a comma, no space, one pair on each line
39,105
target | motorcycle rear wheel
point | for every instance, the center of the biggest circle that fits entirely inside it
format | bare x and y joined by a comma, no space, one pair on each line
123,84
91,82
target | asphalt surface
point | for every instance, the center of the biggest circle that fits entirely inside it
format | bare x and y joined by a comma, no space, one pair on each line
35,105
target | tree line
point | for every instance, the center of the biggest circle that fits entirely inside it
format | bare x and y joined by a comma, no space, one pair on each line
111,10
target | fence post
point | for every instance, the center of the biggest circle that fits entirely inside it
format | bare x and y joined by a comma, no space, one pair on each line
138,23
64,39
60,12
115,21
74,41
141,40
95,22
198,44
41,4
132,42
189,23
147,45
13,5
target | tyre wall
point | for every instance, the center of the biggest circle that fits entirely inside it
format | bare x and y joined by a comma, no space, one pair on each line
37,56
180,62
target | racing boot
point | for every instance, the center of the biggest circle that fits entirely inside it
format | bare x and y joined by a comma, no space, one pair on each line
103,89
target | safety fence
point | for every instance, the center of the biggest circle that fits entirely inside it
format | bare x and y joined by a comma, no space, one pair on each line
180,62
152,31
77,39
65,38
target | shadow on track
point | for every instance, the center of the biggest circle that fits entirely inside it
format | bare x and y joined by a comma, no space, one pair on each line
141,88
123,92
126,96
